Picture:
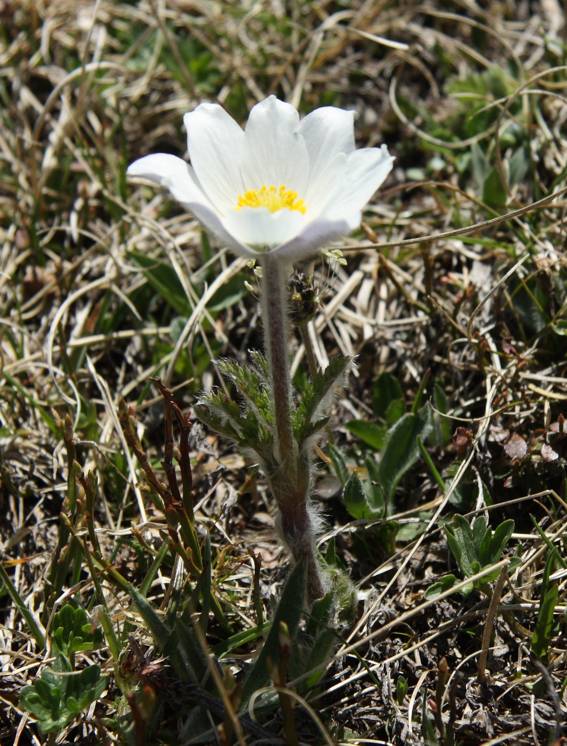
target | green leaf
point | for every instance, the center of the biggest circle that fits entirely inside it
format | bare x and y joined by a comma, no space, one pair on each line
220,414
332,560
459,539
152,571
531,303
228,295
288,611
377,498
498,542
72,631
330,557
417,404
319,655
474,92
410,531
401,450
320,615
252,385
386,389
440,586
475,546
184,651
7,586
314,397
314,427
552,549
541,637
339,464
479,528
42,411
156,627
245,425
355,498
368,432
324,639
494,191
205,583
58,697
402,687
239,639
395,411
559,327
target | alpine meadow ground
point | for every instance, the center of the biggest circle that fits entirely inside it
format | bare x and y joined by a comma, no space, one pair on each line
249,502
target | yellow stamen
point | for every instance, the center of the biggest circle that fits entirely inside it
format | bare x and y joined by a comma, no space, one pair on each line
273,198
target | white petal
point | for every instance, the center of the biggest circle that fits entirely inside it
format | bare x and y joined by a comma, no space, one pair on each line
211,220
315,236
257,226
177,176
324,184
275,152
216,148
171,172
365,171
327,132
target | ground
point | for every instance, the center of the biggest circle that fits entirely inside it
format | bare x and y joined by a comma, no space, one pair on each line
440,478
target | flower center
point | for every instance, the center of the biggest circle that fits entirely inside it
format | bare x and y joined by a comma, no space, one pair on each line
273,198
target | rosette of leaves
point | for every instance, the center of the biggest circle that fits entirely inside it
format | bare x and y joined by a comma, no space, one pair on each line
474,546
62,693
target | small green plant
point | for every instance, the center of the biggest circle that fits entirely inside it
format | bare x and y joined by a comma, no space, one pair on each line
474,546
62,693
73,632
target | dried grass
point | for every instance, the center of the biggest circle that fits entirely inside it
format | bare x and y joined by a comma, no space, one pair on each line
439,284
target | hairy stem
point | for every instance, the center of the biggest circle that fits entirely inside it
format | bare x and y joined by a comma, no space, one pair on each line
290,484
297,529
275,315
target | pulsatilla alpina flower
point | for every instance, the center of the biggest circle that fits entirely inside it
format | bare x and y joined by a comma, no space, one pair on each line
283,185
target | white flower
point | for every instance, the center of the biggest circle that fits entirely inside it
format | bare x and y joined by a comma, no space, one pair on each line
280,185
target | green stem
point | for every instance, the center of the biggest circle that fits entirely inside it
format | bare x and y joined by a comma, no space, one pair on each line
290,484
275,318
